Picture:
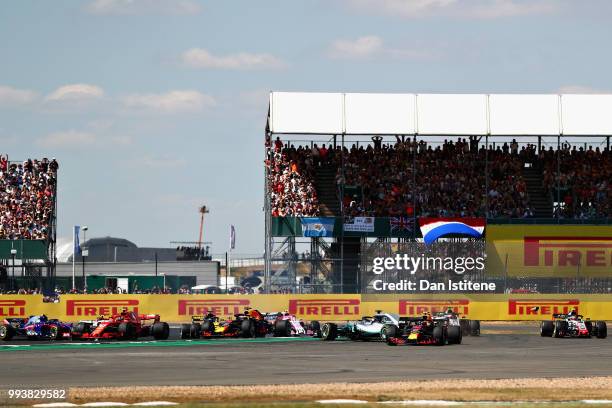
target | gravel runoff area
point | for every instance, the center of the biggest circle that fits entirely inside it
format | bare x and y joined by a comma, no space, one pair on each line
523,389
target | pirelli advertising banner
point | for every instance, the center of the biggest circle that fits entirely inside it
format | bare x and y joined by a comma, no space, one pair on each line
180,308
549,251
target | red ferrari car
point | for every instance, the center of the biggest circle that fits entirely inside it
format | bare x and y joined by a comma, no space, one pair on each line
124,326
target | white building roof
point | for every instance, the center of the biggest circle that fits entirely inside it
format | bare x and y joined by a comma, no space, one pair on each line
440,114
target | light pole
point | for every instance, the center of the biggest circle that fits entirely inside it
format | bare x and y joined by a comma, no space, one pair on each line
84,254
13,254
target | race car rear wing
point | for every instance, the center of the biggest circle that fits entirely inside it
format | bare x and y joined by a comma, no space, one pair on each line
565,316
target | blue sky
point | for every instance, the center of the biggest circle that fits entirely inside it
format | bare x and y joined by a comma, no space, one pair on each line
155,107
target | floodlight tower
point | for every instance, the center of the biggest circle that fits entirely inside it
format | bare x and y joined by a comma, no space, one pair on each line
203,210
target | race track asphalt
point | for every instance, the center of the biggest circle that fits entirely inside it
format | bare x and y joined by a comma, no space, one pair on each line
518,352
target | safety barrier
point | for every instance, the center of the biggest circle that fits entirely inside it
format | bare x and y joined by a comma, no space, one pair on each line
179,308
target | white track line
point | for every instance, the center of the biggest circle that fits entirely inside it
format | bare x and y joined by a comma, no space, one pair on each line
440,403
55,405
105,404
341,401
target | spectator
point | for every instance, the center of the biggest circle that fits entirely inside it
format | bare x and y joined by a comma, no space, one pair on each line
27,198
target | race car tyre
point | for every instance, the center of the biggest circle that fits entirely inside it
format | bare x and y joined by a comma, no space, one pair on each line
387,331
126,331
560,328
195,330
282,328
315,327
454,335
438,335
208,326
329,331
474,327
6,332
160,331
247,328
465,326
54,332
601,330
589,326
185,331
547,328
78,329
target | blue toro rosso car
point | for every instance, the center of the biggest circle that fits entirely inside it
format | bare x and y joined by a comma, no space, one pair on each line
34,328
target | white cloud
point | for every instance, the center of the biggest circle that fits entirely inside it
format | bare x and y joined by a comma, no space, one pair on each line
362,47
132,7
480,9
170,102
76,92
579,89
13,97
370,46
67,139
510,8
201,58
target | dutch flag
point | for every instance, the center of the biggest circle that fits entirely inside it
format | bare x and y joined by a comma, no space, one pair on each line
434,228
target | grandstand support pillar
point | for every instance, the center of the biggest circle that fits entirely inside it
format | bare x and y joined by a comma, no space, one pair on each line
558,176
608,142
342,219
414,203
487,176
267,223
292,267
314,266
539,144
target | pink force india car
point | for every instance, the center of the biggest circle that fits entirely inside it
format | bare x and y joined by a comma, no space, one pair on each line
286,324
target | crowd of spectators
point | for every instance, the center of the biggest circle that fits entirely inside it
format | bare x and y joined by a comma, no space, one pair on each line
460,178
584,179
291,180
191,253
407,178
27,198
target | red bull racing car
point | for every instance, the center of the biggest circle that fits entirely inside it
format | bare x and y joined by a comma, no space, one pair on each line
572,325
124,326
251,323
423,330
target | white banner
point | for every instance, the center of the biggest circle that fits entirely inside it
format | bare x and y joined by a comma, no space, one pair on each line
359,224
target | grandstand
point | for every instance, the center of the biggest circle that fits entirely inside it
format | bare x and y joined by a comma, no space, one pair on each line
394,159
28,201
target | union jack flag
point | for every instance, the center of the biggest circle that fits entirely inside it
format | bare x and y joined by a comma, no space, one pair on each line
400,224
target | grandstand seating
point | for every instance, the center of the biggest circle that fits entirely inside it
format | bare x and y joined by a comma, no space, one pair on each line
27,198
455,179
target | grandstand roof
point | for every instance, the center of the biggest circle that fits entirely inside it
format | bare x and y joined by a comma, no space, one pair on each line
440,114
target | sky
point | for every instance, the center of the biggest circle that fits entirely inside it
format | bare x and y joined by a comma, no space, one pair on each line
154,107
